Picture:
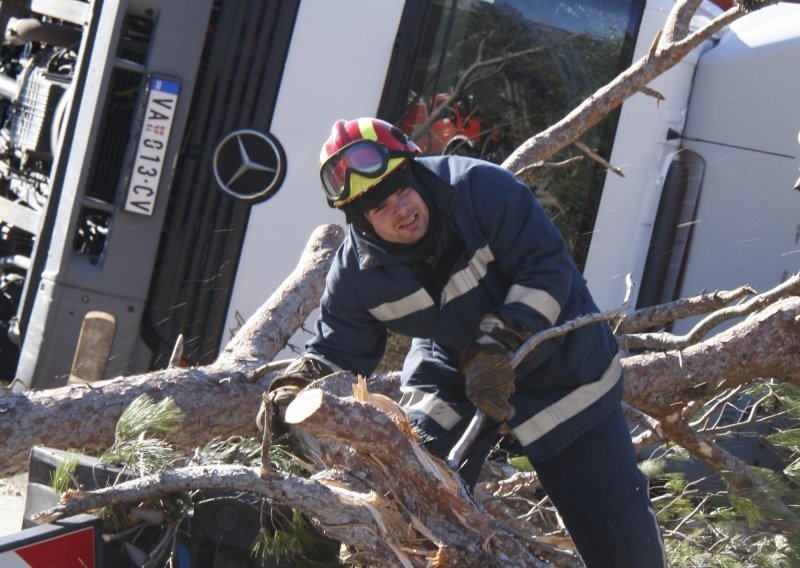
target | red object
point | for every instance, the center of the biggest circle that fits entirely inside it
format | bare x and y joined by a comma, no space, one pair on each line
456,125
724,4
70,550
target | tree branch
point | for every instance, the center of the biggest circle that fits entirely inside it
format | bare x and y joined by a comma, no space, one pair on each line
767,344
549,142
685,307
737,473
663,340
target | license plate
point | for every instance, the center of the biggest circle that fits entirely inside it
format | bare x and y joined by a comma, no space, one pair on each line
148,164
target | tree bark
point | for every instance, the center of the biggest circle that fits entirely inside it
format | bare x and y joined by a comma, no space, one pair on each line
83,416
421,516
766,344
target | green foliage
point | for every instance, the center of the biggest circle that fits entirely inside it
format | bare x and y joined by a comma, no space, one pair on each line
138,445
731,550
140,449
145,417
244,451
292,540
278,545
114,519
698,532
143,456
789,397
63,477
520,463
288,538
730,534
789,439
747,508
710,528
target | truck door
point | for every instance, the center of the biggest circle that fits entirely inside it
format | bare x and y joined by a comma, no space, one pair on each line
743,123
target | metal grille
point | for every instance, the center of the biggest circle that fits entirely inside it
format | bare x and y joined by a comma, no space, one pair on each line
118,115
204,229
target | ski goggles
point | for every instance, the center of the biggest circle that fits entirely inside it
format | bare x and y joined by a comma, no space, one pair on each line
367,158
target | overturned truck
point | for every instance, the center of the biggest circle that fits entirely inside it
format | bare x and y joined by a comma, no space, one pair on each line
158,158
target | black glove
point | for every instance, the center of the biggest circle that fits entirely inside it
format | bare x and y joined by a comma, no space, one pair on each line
485,365
299,374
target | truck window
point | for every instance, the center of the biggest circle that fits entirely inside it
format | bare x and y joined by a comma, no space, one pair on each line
522,65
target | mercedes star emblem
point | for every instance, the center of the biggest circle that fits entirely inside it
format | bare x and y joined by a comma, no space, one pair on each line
249,164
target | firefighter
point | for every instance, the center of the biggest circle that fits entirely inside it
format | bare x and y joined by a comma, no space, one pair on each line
458,254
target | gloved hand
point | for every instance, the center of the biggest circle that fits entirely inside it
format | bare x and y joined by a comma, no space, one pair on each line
281,391
485,365
490,380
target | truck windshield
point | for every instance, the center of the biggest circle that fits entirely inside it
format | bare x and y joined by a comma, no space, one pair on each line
487,75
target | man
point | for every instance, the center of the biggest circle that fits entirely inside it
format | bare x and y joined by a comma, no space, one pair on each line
458,254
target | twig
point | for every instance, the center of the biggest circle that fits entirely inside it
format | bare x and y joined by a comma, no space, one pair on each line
689,516
537,339
608,97
661,314
464,80
652,93
677,25
598,158
666,341
122,534
266,441
177,353
739,476
160,548
652,433
721,398
268,368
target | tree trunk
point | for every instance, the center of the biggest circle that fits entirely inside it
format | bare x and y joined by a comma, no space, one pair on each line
766,344
374,487
83,416
376,490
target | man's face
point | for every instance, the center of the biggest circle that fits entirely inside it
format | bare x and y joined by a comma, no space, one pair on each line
402,218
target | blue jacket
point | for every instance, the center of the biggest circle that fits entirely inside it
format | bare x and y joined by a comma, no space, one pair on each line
491,248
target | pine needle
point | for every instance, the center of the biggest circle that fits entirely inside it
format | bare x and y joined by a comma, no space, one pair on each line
137,445
143,416
62,479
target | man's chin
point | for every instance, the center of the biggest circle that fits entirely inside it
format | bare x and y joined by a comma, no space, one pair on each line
408,237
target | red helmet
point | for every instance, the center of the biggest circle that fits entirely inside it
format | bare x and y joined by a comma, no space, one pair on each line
358,155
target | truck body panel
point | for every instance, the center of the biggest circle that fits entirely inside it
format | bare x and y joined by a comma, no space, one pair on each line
743,122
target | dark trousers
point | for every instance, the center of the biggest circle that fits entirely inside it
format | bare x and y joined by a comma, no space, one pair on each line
598,490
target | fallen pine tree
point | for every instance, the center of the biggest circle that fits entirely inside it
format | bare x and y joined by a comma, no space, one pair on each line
366,482
372,487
